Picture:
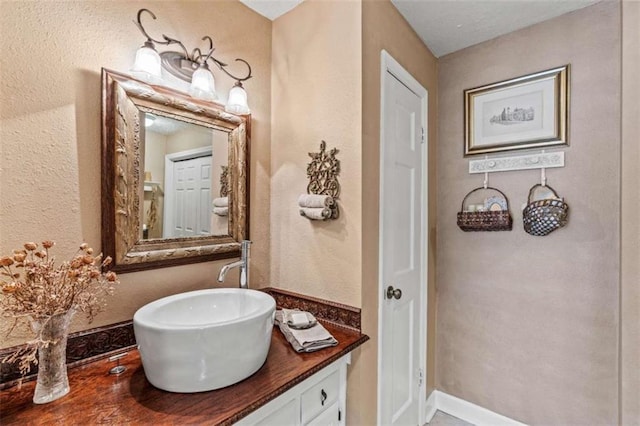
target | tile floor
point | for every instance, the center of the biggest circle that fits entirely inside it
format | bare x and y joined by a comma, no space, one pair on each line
443,419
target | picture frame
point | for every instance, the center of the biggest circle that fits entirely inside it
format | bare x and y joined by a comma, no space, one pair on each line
525,112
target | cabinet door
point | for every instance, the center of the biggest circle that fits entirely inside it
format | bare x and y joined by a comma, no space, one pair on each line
320,396
287,415
329,417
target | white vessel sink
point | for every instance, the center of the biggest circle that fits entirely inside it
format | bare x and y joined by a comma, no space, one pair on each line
204,340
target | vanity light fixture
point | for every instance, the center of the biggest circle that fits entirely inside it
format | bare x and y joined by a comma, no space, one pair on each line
147,63
237,102
193,68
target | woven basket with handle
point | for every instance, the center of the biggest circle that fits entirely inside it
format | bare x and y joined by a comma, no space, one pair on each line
543,216
487,220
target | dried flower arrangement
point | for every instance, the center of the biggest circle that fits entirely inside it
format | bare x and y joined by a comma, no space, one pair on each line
35,288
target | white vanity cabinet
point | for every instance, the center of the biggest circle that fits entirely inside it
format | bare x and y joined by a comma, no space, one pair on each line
319,400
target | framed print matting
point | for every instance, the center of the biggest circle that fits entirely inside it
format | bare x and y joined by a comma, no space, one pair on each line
522,113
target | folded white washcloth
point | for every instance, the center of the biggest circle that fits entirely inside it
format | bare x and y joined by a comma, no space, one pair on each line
315,201
315,213
221,211
221,202
306,340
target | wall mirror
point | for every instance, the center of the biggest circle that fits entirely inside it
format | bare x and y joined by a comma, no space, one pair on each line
174,176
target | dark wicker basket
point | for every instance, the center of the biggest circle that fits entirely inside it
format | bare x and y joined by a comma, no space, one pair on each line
541,217
485,221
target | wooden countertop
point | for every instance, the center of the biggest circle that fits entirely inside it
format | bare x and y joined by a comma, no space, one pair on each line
99,398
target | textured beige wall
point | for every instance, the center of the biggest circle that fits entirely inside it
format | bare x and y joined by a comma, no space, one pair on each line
190,137
219,224
51,56
528,326
384,28
630,235
154,164
316,95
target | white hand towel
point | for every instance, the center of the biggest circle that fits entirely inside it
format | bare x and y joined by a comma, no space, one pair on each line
221,211
221,202
315,213
307,340
315,201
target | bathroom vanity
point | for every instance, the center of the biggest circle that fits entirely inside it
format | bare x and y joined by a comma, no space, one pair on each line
319,400
289,389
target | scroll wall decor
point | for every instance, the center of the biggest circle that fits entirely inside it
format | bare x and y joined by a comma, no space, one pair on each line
323,190
221,204
224,181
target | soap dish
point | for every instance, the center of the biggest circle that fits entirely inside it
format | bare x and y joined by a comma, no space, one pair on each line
296,326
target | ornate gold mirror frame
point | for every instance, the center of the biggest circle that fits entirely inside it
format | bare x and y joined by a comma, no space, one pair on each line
124,100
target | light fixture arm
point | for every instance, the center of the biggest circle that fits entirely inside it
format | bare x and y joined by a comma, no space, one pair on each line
170,40
196,58
138,23
167,40
197,54
223,66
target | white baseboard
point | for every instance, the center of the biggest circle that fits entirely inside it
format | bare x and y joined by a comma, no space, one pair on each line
465,410
430,407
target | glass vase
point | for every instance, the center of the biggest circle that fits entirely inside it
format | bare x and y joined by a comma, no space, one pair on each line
52,357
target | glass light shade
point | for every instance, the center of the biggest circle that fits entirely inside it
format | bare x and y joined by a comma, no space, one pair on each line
202,84
237,103
147,64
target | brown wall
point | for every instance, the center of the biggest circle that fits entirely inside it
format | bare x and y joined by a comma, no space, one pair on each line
528,326
630,235
384,28
51,56
316,96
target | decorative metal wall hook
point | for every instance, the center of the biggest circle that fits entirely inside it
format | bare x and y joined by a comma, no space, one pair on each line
486,175
322,171
182,64
543,175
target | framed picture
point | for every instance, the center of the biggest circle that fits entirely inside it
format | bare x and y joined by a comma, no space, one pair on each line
522,113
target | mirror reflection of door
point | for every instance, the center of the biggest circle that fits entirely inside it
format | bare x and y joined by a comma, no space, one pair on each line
188,201
182,168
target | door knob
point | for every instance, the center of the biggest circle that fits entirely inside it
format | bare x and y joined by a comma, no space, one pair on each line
391,292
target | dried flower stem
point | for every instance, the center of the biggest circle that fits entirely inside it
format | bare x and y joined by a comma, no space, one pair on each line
35,288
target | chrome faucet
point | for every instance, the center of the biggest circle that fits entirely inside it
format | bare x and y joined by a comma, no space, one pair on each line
243,264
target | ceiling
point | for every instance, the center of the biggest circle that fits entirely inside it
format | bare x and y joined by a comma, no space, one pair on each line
450,25
168,126
271,8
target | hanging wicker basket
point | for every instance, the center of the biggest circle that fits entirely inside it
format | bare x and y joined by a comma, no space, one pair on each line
541,217
485,220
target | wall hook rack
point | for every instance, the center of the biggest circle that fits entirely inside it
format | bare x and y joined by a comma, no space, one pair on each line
324,188
517,162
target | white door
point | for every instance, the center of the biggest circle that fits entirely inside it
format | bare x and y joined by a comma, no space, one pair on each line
402,320
190,199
